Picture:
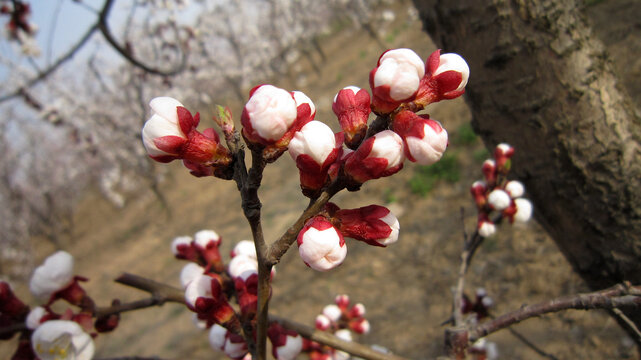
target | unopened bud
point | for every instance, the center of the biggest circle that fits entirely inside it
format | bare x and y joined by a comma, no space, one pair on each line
523,210
379,156
499,199
395,79
321,245
333,312
268,114
515,189
425,139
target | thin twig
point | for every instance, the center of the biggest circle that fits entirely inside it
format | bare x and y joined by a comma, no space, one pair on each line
612,298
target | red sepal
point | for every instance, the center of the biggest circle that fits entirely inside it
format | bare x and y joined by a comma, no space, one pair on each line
186,121
170,144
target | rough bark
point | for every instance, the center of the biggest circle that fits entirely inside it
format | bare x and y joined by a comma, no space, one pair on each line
542,82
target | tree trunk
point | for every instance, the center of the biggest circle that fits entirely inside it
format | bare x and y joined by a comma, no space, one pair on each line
542,82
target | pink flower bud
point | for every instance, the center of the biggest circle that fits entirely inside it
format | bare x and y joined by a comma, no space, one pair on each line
357,310
55,274
499,199
395,79
163,123
380,155
502,154
478,190
321,245
373,224
352,107
322,322
190,272
268,114
247,294
342,301
286,344
244,247
489,171
62,339
360,326
445,78
425,139
515,189
523,210
333,312
182,248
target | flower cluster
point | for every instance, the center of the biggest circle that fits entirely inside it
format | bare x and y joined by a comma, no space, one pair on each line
321,242
342,320
50,335
210,285
170,134
496,194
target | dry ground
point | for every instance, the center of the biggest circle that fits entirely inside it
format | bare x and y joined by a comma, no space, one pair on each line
405,287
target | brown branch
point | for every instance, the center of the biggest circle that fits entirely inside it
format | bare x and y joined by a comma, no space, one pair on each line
622,295
172,294
251,208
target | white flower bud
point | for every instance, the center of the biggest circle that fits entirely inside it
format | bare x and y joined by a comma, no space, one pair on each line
344,334
163,122
204,237
401,71
268,114
315,139
190,272
180,240
321,245
333,312
486,229
35,316
217,337
523,210
430,148
244,247
242,266
515,189
454,62
62,340
499,199
292,347
54,274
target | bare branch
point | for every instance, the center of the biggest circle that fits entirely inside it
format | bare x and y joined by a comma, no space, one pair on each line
618,296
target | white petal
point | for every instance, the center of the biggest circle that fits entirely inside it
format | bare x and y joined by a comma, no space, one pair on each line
165,107
53,275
